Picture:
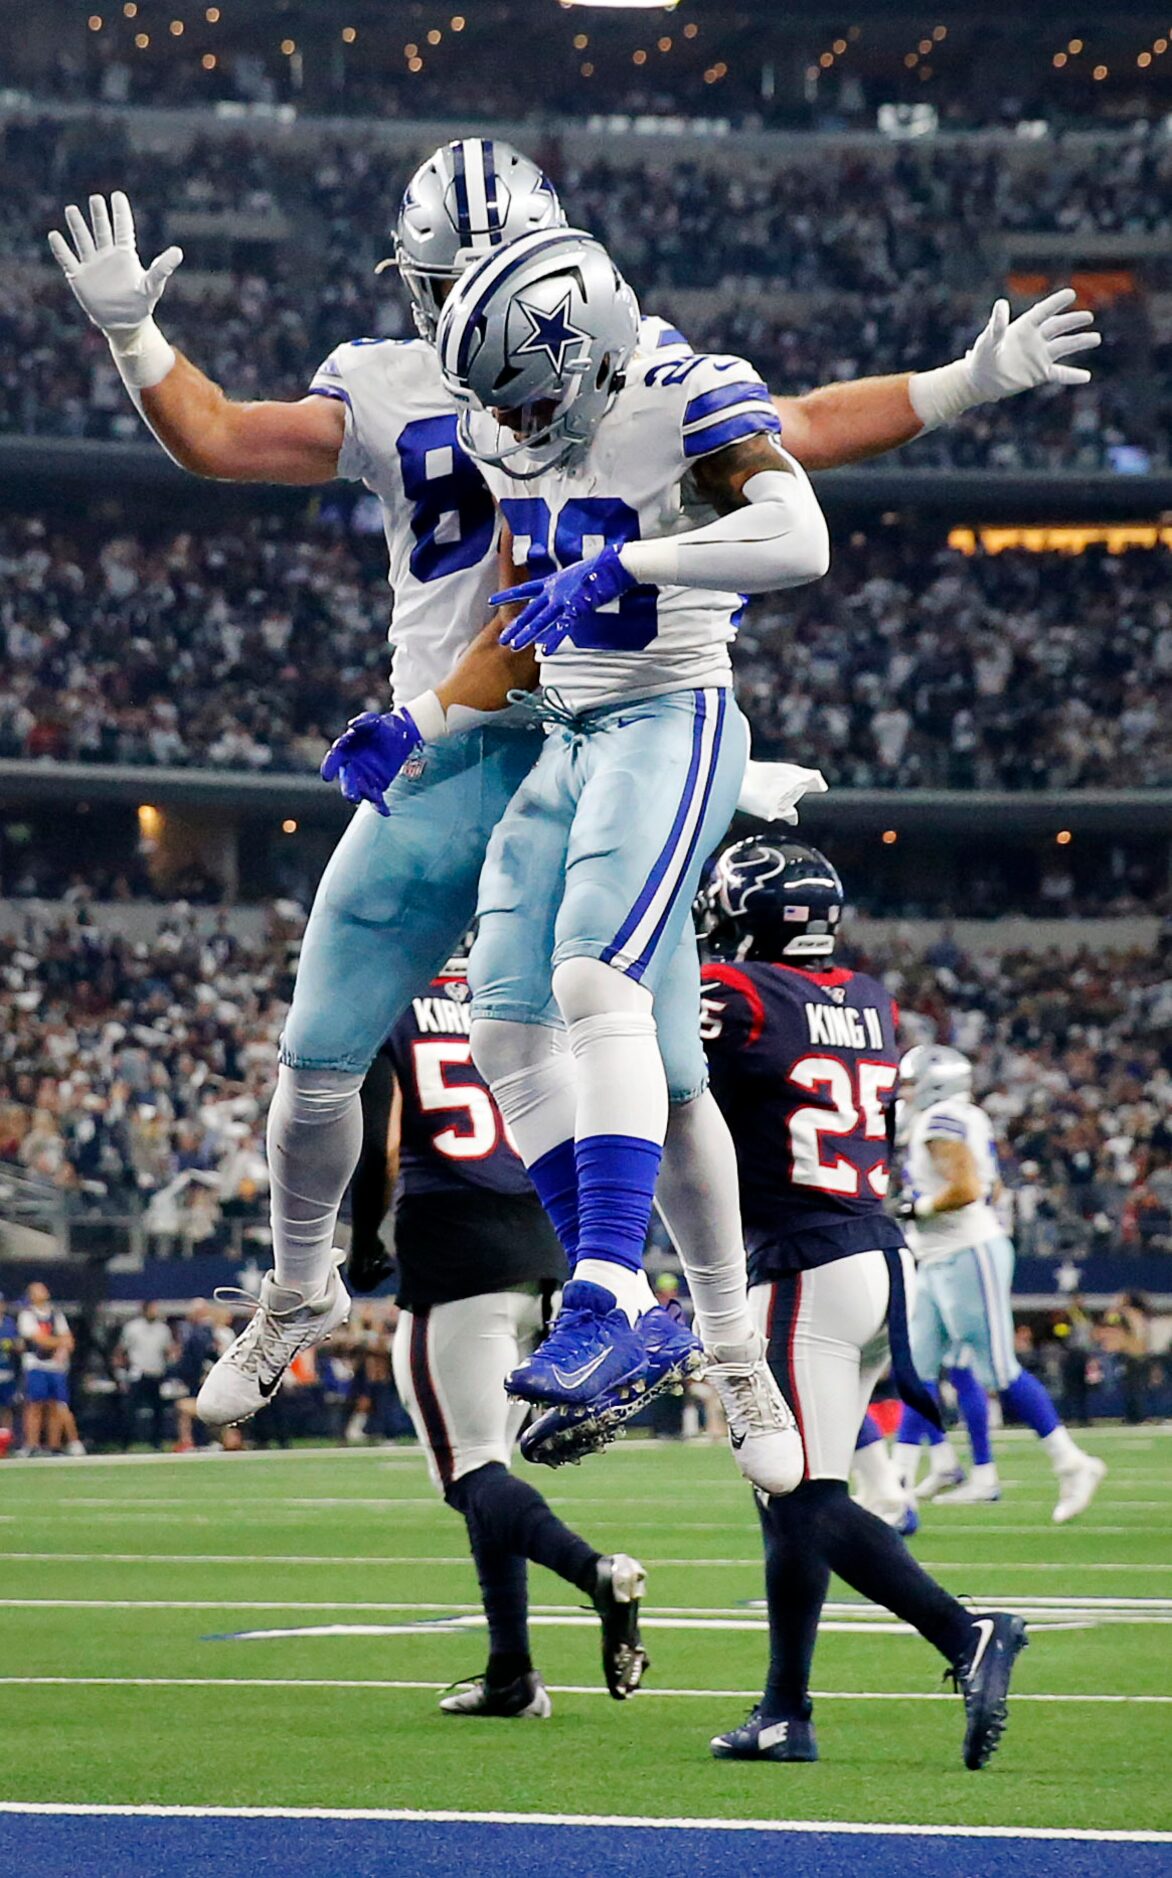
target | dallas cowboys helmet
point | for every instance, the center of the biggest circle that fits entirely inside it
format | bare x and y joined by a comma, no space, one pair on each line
934,1072
469,198
542,331
774,900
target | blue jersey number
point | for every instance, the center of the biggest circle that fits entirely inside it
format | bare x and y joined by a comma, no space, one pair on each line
585,526
453,519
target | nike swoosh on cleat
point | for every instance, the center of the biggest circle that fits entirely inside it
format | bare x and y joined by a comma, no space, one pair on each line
737,1441
985,1626
580,1375
773,1736
266,1388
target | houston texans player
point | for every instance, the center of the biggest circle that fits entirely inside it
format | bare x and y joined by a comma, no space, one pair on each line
805,1065
966,1265
377,411
479,1265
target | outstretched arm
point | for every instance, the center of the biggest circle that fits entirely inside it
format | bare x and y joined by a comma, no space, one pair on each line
198,426
846,423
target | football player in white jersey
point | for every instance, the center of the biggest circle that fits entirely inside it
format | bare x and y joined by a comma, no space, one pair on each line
402,882
965,1263
585,900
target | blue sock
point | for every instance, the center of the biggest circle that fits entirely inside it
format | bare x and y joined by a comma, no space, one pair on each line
616,1185
1027,1399
555,1178
914,1428
870,1432
974,1407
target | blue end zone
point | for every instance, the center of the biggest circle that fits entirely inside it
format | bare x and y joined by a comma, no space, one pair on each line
65,1846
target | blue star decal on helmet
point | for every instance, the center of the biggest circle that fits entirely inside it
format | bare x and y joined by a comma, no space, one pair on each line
552,333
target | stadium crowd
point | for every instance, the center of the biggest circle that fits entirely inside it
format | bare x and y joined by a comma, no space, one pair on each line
893,259
249,646
139,1071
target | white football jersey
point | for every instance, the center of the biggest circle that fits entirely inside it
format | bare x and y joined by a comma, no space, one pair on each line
438,516
948,1233
674,408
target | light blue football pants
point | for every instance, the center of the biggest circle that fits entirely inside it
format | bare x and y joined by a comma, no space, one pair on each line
599,856
400,892
965,1300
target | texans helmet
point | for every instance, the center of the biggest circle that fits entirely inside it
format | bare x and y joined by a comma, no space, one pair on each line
772,900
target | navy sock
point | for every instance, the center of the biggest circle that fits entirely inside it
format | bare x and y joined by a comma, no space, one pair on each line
915,1428
555,1178
796,1581
1026,1398
872,1558
616,1185
509,1516
974,1407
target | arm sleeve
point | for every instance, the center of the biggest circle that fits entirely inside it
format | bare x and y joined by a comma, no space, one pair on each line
368,1191
334,378
778,539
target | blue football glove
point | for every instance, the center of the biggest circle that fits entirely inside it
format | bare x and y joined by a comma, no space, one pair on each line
369,754
560,601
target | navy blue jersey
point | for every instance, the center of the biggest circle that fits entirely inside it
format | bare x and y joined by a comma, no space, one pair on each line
452,1136
467,1220
805,1065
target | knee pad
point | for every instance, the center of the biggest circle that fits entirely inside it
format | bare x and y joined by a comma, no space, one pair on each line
313,1097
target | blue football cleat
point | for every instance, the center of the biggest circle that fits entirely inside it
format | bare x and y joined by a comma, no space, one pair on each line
591,1349
909,1522
672,1354
763,1738
982,1675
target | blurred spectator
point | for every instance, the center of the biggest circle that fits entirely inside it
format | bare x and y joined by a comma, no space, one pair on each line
146,1347
1076,1331
1127,1334
48,1346
9,1374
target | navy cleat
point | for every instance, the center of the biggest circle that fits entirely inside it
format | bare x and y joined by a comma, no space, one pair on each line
908,1523
982,1675
765,1738
621,1583
672,1355
592,1348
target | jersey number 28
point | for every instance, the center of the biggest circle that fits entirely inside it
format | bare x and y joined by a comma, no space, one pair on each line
585,526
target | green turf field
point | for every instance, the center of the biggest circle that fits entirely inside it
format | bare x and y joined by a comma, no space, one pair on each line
120,1579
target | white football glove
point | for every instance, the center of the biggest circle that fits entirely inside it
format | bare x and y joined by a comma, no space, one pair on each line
113,288
1008,357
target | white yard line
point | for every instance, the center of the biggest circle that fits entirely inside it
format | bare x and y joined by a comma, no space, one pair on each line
1113,1699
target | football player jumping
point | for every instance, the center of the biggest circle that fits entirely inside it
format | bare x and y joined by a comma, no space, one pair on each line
402,883
805,1065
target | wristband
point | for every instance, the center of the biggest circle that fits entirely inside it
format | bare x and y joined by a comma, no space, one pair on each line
428,716
942,394
142,355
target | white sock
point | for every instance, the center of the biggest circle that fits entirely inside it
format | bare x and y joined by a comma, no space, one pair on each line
1064,1452
314,1140
985,1475
629,1287
942,1458
699,1202
907,1461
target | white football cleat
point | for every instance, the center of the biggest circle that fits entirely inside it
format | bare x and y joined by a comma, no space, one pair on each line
1077,1487
284,1324
981,1488
762,1432
941,1481
527,1697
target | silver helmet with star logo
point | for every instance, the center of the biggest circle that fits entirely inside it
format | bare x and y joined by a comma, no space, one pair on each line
470,198
533,343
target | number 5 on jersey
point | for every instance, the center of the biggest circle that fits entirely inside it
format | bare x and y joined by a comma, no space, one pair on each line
483,1126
